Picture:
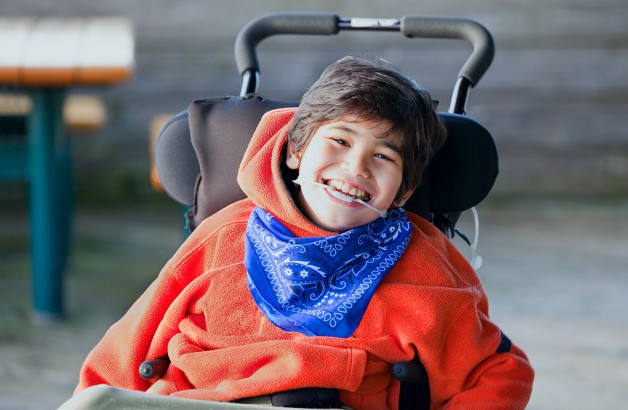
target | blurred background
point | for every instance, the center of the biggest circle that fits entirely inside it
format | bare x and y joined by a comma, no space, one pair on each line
552,230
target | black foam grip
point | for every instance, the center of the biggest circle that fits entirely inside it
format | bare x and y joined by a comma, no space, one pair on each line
456,28
273,24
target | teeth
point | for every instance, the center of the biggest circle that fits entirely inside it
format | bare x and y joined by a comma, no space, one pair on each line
349,190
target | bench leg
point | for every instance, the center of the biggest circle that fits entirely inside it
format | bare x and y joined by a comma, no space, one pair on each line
50,201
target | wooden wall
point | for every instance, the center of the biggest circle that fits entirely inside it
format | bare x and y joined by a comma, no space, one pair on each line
555,98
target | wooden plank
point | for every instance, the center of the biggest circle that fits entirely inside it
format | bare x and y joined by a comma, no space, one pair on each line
65,52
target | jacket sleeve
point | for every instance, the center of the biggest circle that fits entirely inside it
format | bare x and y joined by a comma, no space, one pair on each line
146,328
115,360
488,370
470,362
501,381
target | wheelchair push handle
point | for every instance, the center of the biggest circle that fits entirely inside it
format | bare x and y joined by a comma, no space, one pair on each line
456,28
327,24
273,24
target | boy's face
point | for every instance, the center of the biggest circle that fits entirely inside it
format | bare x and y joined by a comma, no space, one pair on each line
356,158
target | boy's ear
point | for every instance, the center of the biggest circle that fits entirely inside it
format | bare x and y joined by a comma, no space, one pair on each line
293,157
402,201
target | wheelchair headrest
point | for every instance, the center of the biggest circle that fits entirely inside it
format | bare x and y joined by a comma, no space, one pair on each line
199,150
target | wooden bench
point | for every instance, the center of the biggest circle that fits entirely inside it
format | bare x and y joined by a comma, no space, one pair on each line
44,58
82,114
65,52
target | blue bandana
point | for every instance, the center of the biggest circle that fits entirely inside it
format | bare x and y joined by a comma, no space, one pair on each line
320,286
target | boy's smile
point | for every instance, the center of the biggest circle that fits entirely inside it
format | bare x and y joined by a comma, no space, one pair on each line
348,190
357,160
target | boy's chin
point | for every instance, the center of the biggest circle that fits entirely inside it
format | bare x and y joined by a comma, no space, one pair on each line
346,224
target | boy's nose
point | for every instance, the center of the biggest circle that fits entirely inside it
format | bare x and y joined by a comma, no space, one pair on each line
357,164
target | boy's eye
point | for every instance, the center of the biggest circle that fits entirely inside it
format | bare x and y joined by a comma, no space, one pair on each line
383,156
341,141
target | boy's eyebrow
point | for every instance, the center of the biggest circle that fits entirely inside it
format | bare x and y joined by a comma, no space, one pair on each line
391,145
344,128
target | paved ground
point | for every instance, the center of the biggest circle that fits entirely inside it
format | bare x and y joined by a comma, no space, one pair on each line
555,273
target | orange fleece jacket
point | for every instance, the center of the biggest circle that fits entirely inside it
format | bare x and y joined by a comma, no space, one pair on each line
199,312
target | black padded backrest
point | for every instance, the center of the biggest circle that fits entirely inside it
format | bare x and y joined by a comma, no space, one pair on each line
462,172
208,141
199,151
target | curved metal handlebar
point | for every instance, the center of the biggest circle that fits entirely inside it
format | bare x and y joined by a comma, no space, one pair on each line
410,26
273,24
464,29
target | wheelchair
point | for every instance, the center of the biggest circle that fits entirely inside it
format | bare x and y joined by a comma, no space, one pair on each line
198,152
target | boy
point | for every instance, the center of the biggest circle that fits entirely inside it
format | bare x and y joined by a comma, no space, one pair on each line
319,278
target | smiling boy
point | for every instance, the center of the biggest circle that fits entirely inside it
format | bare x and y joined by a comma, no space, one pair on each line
356,159
319,278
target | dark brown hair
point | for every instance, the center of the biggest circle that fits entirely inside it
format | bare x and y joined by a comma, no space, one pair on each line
373,91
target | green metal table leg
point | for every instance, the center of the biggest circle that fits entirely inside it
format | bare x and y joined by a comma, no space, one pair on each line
50,200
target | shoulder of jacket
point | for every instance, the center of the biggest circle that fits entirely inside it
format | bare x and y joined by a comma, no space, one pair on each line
228,222
432,251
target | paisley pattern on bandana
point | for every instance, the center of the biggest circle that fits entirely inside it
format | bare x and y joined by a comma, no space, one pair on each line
320,286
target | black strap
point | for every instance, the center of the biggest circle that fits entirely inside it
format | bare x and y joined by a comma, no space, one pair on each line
505,345
309,398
